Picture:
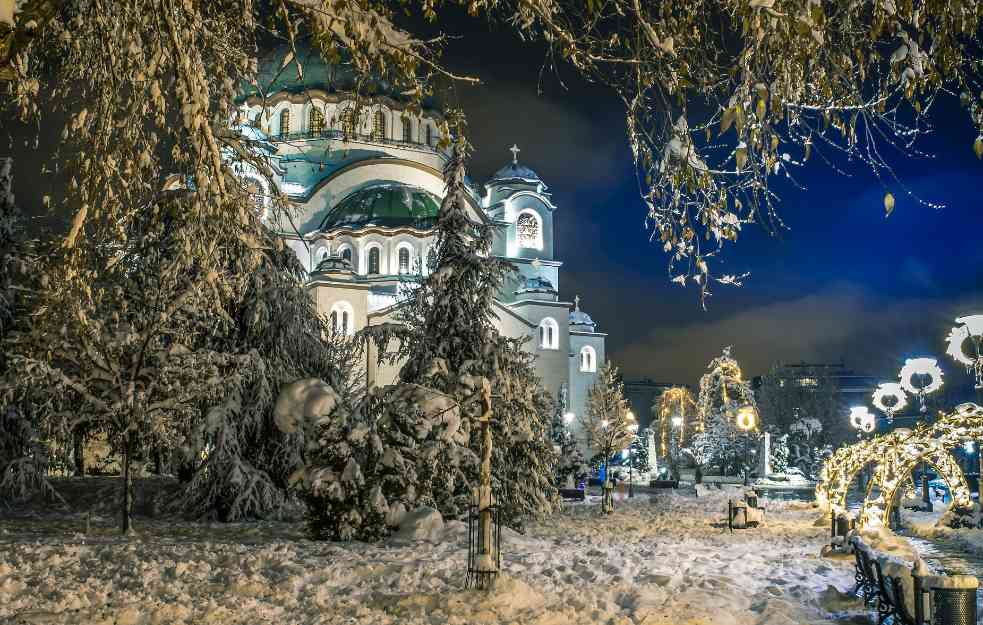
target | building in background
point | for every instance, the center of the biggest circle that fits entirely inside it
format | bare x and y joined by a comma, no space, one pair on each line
642,395
367,182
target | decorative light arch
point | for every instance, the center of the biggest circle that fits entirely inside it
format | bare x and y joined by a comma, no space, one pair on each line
930,444
842,467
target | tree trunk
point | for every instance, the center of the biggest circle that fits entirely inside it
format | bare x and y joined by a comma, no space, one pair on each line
699,474
78,451
127,484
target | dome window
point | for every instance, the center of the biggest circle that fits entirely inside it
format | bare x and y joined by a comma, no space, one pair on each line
285,122
348,122
588,359
379,126
315,122
373,261
347,254
404,260
549,334
529,230
407,130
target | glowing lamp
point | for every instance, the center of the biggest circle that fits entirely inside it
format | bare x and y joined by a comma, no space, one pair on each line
746,418
630,415
887,390
921,366
969,447
677,421
568,418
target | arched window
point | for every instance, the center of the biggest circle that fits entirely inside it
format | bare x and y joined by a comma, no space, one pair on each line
315,122
549,334
373,261
588,359
379,126
347,254
348,122
429,135
342,319
407,130
320,256
404,260
529,230
285,122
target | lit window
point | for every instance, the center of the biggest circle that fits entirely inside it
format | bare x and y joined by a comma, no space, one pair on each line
407,130
378,126
588,359
373,261
549,334
320,256
342,319
284,122
404,260
348,122
315,122
528,231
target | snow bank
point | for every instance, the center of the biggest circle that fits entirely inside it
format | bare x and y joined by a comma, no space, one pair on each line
659,561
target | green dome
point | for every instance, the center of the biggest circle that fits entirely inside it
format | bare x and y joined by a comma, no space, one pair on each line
390,205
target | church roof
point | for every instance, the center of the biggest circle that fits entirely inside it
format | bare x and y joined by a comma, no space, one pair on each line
536,284
386,205
515,172
579,320
333,264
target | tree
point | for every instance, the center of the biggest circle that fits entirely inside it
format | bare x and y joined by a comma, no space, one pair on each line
607,423
721,97
722,392
638,455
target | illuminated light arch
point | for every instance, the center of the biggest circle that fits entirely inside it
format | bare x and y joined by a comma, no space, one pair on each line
930,444
842,467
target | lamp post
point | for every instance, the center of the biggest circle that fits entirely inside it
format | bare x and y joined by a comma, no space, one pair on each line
746,421
971,328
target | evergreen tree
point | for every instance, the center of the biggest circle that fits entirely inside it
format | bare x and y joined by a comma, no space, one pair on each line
722,392
607,423
639,454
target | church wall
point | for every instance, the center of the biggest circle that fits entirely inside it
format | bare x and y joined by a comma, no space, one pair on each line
524,202
580,381
325,296
551,364
381,374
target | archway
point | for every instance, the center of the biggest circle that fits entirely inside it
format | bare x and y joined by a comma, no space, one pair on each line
846,463
930,444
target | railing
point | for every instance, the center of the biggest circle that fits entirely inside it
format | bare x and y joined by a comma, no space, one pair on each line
333,133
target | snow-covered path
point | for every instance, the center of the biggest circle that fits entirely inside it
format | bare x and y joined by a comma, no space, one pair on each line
669,560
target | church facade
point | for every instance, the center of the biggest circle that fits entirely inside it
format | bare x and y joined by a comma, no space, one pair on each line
367,184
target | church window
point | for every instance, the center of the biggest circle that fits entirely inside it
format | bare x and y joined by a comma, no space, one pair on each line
321,255
404,260
285,122
379,126
429,135
407,130
373,261
528,230
588,359
348,122
316,121
549,334
346,253
342,319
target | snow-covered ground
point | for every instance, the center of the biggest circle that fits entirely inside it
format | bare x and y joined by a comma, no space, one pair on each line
924,525
663,560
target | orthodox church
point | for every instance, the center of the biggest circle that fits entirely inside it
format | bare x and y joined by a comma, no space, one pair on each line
367,183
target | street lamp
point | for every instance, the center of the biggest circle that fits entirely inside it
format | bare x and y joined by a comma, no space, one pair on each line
893,391
568,418
862,420
746,420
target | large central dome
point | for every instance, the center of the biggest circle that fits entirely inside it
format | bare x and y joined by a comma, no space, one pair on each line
388,205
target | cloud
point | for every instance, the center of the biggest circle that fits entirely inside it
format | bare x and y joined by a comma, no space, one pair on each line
842,320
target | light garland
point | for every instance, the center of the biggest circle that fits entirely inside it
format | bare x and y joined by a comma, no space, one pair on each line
971,328
861,419
676,410
889,389
921,366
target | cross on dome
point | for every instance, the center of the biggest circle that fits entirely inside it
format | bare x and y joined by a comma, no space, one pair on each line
576,302
515,154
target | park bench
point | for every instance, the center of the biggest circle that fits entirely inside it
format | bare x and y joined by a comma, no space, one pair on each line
573,494
906,597
663,483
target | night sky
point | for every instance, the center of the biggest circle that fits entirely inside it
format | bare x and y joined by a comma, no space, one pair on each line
842,283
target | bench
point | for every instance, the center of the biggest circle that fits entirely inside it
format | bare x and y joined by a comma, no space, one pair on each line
573,494
907,597
663,483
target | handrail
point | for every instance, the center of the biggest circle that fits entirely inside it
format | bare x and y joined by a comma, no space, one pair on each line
334,133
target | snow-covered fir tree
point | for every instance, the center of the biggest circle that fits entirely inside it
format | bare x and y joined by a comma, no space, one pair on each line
607,423
639,452
723,391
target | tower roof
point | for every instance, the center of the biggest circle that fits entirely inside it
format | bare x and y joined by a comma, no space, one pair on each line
579,320
515,171
386,205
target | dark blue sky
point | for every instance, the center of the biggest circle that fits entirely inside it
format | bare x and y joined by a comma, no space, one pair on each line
843,283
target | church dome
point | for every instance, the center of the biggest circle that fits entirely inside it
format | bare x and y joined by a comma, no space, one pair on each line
515,171
390,205
579,320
